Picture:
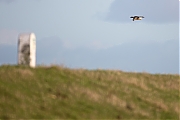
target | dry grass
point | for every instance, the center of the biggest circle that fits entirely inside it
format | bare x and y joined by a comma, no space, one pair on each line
59,92
25,72
138,83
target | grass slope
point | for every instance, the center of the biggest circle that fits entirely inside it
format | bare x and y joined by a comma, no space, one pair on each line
58,92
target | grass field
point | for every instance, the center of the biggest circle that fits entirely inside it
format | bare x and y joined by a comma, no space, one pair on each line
56,92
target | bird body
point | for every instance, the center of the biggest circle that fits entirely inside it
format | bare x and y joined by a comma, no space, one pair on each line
137,17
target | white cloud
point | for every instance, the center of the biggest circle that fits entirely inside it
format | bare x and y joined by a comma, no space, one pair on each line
8,36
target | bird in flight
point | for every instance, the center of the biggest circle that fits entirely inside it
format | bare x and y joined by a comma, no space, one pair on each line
137,17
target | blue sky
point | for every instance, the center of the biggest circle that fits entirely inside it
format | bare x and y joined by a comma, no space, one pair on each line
92,24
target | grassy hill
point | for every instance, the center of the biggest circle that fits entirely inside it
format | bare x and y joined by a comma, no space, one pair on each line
58,92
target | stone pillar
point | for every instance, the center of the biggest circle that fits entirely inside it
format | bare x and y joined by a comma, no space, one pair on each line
27,49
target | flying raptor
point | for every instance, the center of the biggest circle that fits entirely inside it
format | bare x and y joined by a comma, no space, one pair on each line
137,17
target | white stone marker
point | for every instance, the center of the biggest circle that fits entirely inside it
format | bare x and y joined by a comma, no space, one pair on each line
27,49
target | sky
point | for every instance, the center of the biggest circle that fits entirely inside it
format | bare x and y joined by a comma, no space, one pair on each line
93,25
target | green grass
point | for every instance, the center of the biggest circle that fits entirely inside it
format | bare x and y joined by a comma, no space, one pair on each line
57,92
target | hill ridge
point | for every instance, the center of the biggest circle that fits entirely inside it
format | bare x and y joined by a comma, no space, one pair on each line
61,93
